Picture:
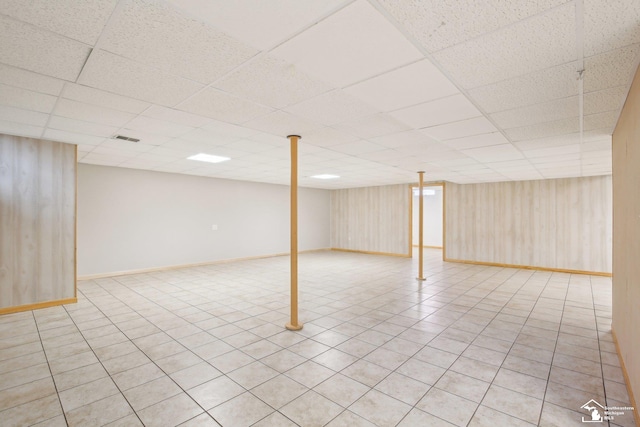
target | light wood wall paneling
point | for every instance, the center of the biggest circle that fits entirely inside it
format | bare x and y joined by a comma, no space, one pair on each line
560,223
37,224
371,219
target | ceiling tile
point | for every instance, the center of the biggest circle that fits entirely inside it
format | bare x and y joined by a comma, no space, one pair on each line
91,113
610,99
229,129
601,120
441,111
562,139
27,80
157,35
460,129
349,46
331,108
18,115
34,49
255,22
20,129
552,151
372,126
72,137
79,126
408,139
159,127
273,82
438,24
82,21
101,98
610,25
356,148
328,137
119,75
208,137
494,153
493,138
176,116
544,130
614,68
533,88
403,87
533,44
146,138
538,113
26,99
219,105
283,124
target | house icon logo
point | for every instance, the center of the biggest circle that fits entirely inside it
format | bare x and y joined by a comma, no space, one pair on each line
595,410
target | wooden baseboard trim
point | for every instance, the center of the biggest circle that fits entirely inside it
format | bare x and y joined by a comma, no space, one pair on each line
529,267
625,374
178,266
371,252
27,307
429,247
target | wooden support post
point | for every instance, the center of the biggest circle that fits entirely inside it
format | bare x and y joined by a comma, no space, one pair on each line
293,325
420,226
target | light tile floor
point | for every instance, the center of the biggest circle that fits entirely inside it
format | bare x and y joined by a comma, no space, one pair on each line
205,346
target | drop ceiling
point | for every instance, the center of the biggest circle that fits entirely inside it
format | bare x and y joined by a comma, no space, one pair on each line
466,90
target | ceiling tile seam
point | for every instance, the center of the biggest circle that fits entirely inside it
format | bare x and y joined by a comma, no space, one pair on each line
55,106
512,24
579,10
445,72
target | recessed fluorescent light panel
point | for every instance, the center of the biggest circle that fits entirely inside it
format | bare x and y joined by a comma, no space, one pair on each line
325,176
210,158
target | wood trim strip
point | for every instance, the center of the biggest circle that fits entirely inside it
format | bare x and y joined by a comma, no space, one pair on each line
27,307
371,252
196,264
75,236
530,267
625,374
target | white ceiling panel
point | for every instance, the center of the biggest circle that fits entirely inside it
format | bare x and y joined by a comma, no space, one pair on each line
119,75
82,21
117,145
562,139
72,137
403,87
16,77
553,151
598,145
273,82
103,99
349,46
328,137
18,115
282,123
441,111
610,99
176,116
601,120
611,24
229,129
539,113
494,153
407,139
26,99
157,35
208,137
146,138
469,127
155,126
34,49
219,105
356,148
544,130
20,129
372,126
483,140
79,126
549,39
331,108
255,22
609,69
532,88
91,113
439,24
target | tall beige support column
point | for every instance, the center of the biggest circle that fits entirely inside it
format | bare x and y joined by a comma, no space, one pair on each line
420,226
293,325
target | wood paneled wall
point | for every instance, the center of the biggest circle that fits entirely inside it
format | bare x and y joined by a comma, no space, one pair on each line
372,219
555,223
37,222
626,239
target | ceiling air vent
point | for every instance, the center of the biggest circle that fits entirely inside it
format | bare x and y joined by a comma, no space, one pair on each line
126,138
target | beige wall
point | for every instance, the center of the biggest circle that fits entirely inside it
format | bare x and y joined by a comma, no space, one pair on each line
372,219
132,220
555,223
626,236
37,221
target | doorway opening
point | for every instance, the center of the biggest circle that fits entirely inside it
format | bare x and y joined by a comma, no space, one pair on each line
433,216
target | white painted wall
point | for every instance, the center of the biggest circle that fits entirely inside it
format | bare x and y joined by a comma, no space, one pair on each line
432,218
132,219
